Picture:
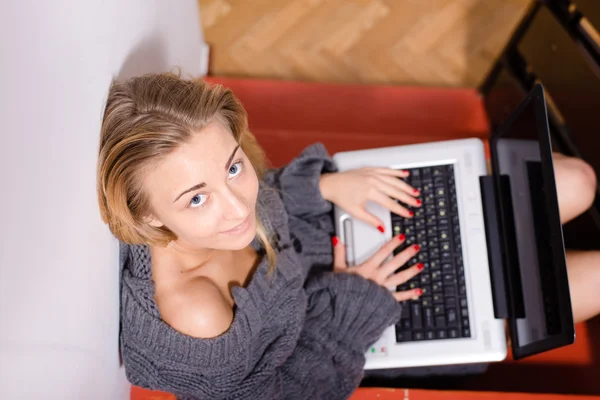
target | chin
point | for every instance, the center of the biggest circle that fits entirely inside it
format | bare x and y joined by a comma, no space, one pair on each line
241,240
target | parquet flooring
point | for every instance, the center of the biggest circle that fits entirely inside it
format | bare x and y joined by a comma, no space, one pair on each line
410,42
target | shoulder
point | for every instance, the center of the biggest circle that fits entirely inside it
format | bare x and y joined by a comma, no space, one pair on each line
197,308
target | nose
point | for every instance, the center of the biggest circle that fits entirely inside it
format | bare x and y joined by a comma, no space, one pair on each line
236,207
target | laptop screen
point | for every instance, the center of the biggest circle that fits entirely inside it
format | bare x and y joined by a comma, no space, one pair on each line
540,315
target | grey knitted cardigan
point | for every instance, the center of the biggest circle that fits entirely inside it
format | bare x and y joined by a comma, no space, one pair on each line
300,333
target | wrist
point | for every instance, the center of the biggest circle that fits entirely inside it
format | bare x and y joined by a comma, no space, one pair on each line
325,185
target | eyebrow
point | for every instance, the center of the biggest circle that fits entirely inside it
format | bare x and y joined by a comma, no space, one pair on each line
231,156
201,185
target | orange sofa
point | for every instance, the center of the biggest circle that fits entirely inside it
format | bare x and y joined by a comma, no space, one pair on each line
287,116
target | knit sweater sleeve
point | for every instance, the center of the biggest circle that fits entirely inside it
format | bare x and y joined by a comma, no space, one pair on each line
298,185
345,315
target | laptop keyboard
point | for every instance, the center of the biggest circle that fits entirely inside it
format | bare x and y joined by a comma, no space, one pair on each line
442,310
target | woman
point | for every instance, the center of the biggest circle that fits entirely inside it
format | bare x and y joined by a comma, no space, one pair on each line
222,293
227,284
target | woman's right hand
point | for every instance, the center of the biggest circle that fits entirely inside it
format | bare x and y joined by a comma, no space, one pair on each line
380,272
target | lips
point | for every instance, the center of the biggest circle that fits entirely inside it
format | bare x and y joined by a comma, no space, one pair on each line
239,228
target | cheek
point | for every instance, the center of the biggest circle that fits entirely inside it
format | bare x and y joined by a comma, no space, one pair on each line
251,192
194,225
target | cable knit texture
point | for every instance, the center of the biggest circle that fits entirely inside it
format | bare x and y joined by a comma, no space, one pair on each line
300,333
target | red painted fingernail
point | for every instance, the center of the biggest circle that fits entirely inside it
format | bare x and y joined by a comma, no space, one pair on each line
401,237
419,202
417,247
415,191
335,240
418,292
381,228
410,213
420,266
406,172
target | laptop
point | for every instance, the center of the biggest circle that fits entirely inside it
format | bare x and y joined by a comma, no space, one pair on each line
491,244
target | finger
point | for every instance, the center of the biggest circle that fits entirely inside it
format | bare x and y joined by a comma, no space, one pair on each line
397,193
385,251
400,184
339,254
403,276
408,294
399,173
367,217
398,261
385,201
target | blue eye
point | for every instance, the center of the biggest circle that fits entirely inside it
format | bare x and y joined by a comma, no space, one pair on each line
197,200
236,169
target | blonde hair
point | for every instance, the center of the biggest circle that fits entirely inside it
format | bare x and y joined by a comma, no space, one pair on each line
145,119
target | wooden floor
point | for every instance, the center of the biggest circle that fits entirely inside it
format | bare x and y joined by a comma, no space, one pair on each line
423,42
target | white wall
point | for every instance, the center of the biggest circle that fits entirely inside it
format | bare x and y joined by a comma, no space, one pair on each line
58,262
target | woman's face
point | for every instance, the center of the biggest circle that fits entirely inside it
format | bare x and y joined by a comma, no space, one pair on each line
205,192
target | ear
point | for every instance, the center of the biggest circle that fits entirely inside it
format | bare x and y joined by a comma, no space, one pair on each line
153,221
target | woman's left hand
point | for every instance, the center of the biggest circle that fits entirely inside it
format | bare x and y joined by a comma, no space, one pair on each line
350,190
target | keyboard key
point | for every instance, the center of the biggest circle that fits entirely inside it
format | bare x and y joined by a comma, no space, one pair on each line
444,234
441,334
434,264
448,279
430,335
425,279
451,317
438,298
447,267
466,332
426,301
445,246
428,313
440,322
450,302
464,312
403,336
453,333
436,275
449,291
406,324
465,322
418,336
438,310
463,302
432,231
417,319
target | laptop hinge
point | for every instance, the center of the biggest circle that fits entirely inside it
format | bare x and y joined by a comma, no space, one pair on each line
494,246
